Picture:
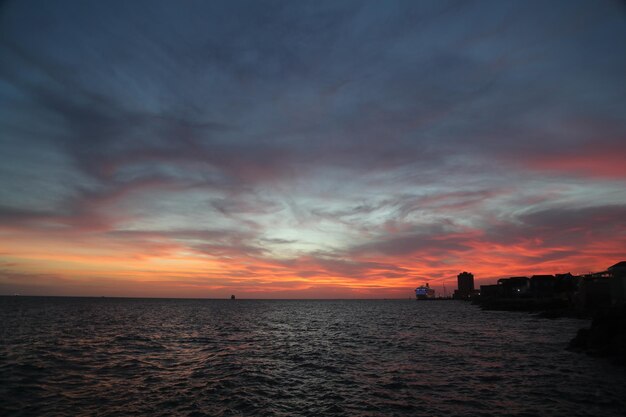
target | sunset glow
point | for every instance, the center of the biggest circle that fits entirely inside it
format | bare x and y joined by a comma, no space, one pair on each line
341,150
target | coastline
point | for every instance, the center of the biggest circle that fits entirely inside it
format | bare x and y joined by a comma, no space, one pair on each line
604,336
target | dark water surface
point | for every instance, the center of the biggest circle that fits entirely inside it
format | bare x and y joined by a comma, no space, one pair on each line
80,356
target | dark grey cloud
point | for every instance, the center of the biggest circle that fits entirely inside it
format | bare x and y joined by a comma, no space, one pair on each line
564,226
433,239
351,84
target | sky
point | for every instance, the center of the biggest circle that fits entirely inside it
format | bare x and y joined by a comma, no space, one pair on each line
307,149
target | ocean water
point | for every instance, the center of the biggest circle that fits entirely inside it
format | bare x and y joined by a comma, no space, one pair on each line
106,357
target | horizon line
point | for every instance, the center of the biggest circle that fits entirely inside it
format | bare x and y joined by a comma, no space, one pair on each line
200,298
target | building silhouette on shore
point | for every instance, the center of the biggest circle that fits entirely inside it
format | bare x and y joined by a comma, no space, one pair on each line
585,293
465,284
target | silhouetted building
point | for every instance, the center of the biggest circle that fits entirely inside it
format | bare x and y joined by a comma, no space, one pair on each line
514,286
566,287
543,286
465,283
490,291
591,294
594,292
619,269
618,283
566,282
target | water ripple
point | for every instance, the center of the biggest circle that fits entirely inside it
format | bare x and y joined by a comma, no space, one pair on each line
107,357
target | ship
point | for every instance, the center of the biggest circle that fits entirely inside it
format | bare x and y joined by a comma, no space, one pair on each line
424,292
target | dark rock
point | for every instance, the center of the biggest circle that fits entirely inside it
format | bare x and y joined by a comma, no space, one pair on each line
606,337
579,342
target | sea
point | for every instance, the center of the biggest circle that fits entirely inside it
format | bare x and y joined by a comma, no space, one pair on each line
174,357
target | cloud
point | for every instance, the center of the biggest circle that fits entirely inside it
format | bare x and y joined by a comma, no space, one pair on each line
335,146
588,162
415,243
568,226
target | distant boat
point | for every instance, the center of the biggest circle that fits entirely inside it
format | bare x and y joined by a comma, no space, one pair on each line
424,292
232,297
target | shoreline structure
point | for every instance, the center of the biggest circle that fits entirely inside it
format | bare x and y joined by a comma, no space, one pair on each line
599,296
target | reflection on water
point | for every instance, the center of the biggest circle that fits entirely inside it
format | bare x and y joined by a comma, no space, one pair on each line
63,356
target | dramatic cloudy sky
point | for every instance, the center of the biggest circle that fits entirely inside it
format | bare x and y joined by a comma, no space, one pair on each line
307,148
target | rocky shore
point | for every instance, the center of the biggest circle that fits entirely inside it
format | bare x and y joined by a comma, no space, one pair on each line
606,337
599,297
